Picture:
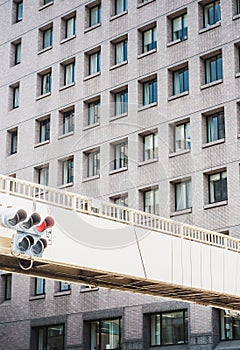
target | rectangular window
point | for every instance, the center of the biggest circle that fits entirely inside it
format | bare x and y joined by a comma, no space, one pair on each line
43,175
238,6
211,13
69,73
94,63
180,28
122,200
93,160
95,15
183,195
218,187
8,287
39,286
45,2
47,38
169,328
17,54
180,81
67,171
106,334
215,127
213,69
13,141
182,138
15,91
93,112
151,201
230,325
64,286
120,214
121,102
121,51
19,11
46,83
70,27
50,337
150,147
149,39
121,6
150,92
120,155
68,121
44,130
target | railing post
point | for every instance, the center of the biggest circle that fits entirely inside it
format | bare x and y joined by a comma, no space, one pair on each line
8,185
74,202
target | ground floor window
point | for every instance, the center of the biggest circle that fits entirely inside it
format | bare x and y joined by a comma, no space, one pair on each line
230,325
50,337
106,334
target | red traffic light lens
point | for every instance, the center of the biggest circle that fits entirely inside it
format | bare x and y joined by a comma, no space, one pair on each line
48,222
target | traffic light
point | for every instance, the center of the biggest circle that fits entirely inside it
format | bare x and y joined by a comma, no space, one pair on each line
29,238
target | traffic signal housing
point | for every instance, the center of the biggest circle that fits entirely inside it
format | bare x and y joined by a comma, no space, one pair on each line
29,238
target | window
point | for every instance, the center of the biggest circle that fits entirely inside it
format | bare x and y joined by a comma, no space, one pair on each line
230,325
15,96
93,112
8,287
93,163
95,63
106,334
151,201
121,102
211,13
183,195
44,130
238,6
67,171
180,28
19,11
169,328
180,81
16,52
182,140
122,200
67,121
213,69
150,92
150,147
215,127
121,51
120,155
70,27
69,73
149,38
217,187
64,286
47,38
50,337
95,15
46,83
43,175
39,286
121,6
45,2
13,140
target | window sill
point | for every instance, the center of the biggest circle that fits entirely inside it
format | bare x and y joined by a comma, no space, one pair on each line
237,16
90,178
43,96
142,108
146,53
213,83
174,42
38,297
91,76
181,212
237,75
45,50
41,143
179,153
213,26
115,171
174,97
45,6
118,65
60,294
214,205
65,40
213,143
91,126
92,27
87,290
149,161
69,184
145,3
119,116
118,15
12,155
70,133
66,86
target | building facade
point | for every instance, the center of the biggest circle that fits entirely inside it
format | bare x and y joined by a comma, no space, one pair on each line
138,103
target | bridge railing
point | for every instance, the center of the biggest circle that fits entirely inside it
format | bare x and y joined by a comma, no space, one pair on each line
121,214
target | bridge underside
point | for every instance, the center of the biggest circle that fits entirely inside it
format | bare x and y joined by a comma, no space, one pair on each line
96,278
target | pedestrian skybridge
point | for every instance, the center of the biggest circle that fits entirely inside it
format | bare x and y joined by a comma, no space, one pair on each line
101,244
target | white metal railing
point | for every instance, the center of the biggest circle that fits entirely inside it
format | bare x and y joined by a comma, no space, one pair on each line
78,203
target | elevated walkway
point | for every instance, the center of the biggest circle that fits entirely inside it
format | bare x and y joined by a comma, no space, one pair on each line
101,244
